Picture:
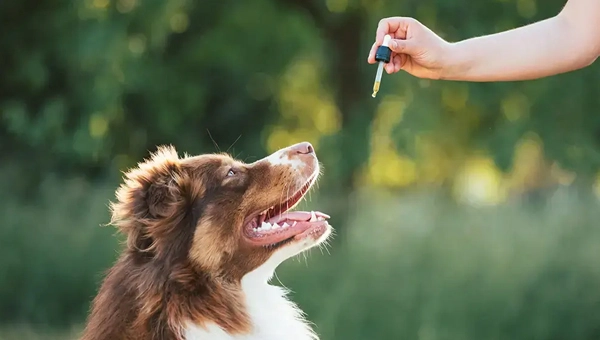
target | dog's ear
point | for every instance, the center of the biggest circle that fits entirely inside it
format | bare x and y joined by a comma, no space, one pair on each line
148,198
159,197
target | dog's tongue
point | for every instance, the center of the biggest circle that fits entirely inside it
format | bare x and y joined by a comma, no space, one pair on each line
285,226
299,216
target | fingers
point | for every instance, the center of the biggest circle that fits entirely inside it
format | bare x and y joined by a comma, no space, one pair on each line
398,62
401,49
404,62
394,65
397,28
396,45
402,46
389,68
371,58
394,26
385,26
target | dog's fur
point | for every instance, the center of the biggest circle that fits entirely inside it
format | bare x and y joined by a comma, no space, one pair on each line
187,272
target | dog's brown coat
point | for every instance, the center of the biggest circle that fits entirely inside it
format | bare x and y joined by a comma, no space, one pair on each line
184,256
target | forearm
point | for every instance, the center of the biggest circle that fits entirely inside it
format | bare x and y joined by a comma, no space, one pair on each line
538,50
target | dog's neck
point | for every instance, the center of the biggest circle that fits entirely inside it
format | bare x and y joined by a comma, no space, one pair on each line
131,304
272,315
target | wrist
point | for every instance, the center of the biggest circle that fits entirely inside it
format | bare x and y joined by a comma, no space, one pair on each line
456,63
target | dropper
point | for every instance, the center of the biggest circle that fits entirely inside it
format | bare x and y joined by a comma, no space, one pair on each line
383,56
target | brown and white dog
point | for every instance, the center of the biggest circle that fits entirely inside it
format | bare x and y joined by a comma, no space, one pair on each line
204,236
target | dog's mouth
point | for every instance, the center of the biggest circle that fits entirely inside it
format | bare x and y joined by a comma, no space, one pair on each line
278,225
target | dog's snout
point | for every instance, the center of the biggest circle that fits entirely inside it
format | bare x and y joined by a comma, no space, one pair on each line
303,148
301,155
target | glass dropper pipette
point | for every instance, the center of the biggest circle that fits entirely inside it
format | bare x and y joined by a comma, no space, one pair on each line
383,56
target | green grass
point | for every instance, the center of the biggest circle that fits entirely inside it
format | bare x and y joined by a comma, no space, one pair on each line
416,267
407,266
31,333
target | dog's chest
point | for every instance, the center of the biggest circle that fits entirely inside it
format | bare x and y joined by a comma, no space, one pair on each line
273,318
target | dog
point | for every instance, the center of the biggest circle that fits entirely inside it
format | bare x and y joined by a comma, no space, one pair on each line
204,235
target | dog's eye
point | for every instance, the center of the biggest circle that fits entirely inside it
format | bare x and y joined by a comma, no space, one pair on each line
230,173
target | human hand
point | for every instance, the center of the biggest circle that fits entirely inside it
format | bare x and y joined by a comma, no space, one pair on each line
415,48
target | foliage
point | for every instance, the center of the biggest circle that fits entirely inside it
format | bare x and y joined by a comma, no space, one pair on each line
89,87
412,267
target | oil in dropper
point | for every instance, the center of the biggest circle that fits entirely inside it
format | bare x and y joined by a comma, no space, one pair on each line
377,79
383,56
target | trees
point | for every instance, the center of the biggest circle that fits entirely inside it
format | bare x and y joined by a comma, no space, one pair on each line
88,87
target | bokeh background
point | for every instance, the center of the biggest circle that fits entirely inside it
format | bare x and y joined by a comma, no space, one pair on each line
463,211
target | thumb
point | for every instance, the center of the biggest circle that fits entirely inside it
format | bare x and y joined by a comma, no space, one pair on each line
402,46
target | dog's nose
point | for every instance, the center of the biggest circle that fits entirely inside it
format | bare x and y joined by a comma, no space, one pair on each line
303,148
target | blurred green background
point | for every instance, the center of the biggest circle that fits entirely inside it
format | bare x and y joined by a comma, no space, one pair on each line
463,211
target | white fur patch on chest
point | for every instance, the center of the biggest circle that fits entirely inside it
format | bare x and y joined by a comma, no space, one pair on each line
273,316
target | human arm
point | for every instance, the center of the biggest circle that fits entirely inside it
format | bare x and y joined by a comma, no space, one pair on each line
566,42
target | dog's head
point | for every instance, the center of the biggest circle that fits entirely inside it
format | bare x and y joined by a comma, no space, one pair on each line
219,215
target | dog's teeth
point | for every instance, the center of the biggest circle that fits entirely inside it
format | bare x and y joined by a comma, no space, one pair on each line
266,226
313,217
275,226
285,225
320,218
293,224
255,229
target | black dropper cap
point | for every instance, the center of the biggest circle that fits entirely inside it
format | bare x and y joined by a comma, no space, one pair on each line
383,53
